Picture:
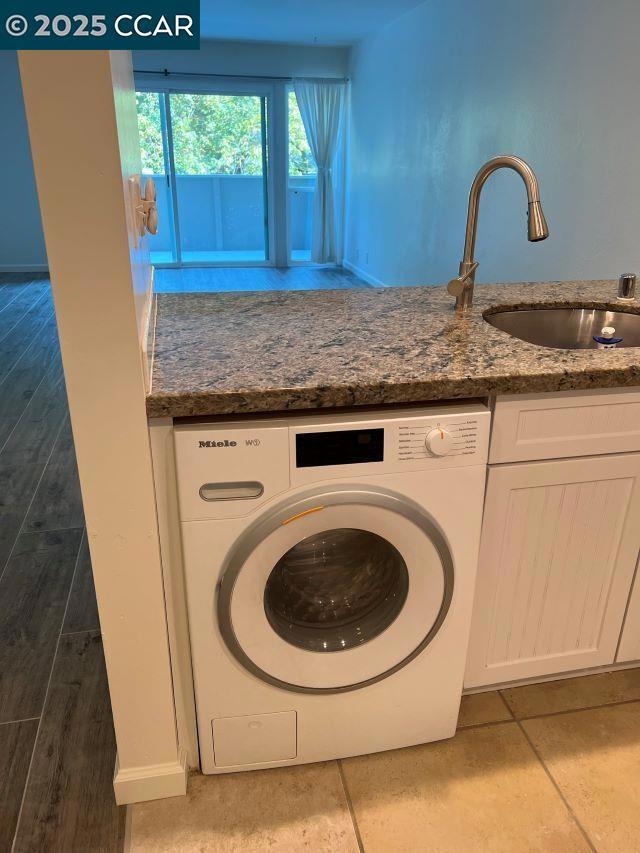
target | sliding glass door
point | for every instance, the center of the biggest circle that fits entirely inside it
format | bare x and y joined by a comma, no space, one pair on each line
235,176
220,157
208,154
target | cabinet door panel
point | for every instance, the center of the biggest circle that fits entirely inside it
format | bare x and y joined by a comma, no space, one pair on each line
559,546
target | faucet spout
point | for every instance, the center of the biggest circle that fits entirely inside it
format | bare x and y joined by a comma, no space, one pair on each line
537,228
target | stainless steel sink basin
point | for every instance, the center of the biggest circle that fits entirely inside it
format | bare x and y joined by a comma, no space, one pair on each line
566,328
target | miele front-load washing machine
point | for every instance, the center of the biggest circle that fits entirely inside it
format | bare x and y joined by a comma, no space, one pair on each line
330,564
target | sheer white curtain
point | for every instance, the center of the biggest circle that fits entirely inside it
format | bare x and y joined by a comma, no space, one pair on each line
322,109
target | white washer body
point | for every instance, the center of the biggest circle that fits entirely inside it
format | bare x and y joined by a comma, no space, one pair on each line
277,681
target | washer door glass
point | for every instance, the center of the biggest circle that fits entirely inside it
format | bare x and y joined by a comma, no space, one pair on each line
336,589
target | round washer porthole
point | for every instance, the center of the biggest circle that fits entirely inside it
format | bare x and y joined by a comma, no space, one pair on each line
335,591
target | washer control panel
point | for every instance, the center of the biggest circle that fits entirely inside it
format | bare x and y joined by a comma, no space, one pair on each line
447,437
225,469
397,440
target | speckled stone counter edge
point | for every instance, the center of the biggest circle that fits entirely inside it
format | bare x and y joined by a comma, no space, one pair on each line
190,401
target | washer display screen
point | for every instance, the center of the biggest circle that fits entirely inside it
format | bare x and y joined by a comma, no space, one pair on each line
342,447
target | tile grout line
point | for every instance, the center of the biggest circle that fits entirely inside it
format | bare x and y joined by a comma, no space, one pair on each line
577,710
32,305
86,631
352,812
33,497
11,301
15,722
513,719
48,372
36,340
58,529
15,426
40,324
549,775
506,704
486,725
46,694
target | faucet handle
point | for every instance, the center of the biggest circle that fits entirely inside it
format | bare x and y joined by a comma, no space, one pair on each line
456,285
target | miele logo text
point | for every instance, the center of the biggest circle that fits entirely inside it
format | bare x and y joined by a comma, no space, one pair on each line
224,443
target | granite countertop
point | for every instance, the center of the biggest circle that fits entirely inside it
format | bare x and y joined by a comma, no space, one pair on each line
230,353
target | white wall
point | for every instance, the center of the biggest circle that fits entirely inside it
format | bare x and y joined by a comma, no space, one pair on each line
453,82
237,57
21,240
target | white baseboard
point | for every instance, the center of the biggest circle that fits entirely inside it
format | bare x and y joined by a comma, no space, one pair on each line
370,279
24,268
153,782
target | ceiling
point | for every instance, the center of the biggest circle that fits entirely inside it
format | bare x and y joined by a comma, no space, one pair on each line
323,22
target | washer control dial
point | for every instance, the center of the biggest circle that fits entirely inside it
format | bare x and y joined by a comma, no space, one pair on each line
439,441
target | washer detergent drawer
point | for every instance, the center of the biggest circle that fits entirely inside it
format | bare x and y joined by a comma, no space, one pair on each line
254,739
229,472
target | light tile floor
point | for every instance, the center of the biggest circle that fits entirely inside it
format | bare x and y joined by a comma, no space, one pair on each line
550,768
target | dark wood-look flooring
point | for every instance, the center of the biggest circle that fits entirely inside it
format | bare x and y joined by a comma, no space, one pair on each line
57,748
217,279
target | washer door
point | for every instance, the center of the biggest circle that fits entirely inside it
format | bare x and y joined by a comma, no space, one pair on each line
335,591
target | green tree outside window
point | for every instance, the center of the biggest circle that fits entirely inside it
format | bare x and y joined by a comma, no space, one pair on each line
216,134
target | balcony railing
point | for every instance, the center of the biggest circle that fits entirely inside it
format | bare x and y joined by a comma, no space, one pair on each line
225,214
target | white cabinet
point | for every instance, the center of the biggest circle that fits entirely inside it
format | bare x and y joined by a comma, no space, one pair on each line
559,547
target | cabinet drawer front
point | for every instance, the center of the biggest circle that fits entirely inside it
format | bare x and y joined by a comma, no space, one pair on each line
574,423
559,547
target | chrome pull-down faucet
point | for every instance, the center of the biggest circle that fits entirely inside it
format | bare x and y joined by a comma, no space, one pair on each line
462,286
